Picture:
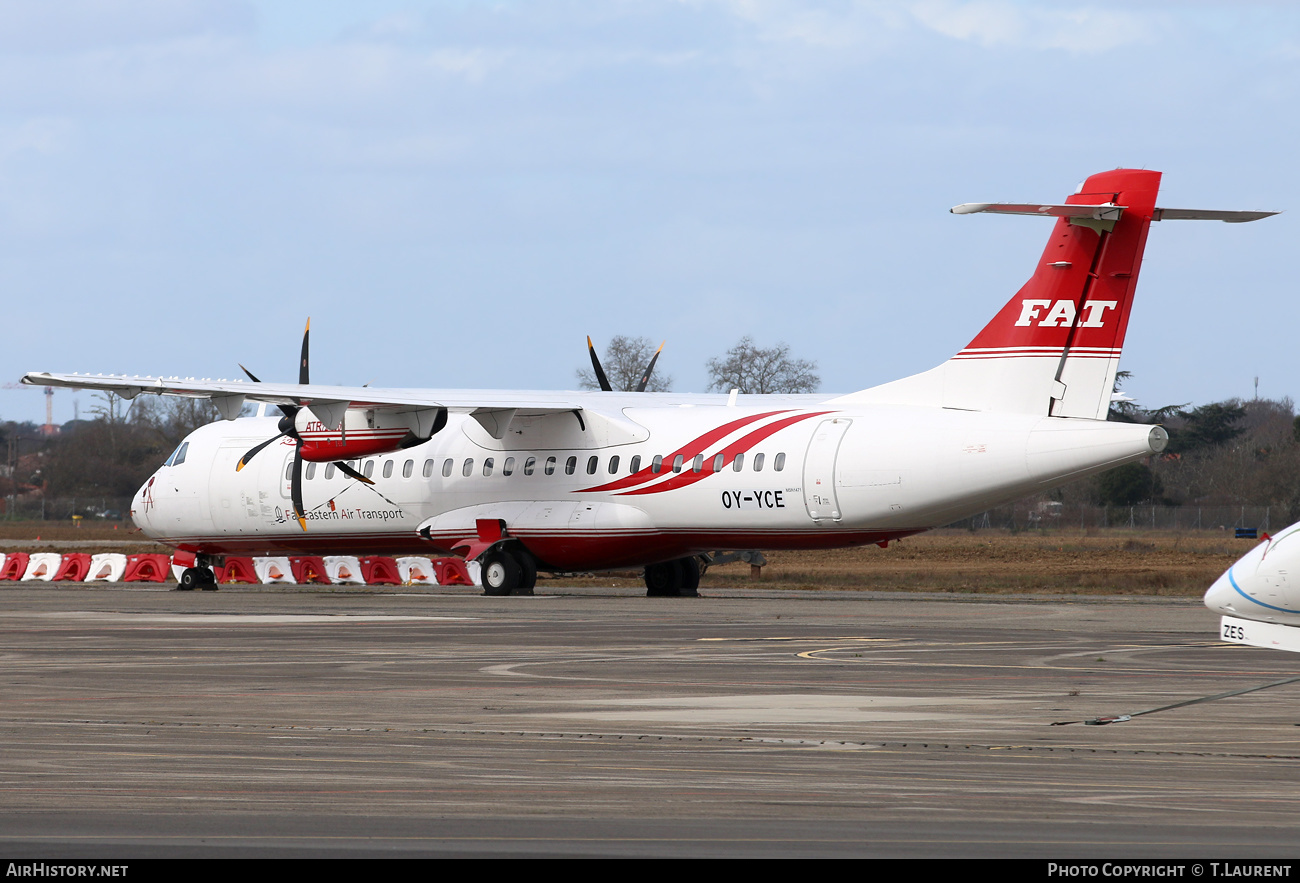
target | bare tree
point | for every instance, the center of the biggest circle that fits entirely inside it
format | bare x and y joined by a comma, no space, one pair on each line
754,370
625,361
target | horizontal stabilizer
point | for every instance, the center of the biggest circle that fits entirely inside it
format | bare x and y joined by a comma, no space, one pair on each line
1103,212
1198,214
1106,212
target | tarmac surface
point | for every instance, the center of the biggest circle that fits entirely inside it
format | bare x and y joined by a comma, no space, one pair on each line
140,722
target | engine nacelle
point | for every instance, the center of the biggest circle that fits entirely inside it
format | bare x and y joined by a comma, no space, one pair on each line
364,432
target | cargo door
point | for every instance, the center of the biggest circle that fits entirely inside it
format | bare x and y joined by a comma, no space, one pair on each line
819,470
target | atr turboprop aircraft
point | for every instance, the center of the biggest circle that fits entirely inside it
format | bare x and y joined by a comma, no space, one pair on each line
1259,595
579,481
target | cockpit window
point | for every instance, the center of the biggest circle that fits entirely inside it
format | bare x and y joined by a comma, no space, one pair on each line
178,455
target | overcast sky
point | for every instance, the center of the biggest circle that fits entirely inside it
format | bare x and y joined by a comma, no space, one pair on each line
458,192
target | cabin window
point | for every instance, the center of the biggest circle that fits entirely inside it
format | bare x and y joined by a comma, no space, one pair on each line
657,464
529,465
388,469
698,465
592,463
758,462
329,471
779,463
613,465
570,465
508,467
428,469
408,468
487,467
738,464
719,461
370,469
447,466
550,466
468,469
288,471
311,471
677,463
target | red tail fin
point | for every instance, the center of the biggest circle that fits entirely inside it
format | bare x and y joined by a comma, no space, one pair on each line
1074,311
1054,348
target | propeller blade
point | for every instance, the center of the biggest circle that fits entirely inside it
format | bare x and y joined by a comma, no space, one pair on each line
295,487
243,461
595,363
645,378
249,373
350,472
302,367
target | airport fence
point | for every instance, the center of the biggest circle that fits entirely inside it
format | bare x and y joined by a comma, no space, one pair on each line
1054,516
87,509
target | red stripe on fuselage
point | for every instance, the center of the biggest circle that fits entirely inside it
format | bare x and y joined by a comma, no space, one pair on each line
740,446
687,451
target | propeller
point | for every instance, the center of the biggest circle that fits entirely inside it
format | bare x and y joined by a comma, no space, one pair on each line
288,427
600,372
649,369
595,364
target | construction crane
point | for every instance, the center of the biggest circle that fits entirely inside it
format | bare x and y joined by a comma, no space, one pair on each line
48,428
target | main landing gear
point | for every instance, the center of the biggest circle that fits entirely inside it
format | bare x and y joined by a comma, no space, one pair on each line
673,579
200,576
508,572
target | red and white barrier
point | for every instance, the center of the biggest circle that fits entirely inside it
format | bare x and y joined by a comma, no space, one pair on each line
237,570
377,571
416,571
147,568
343,570
42,566
14,567
106,567
328,570
273,570
74,568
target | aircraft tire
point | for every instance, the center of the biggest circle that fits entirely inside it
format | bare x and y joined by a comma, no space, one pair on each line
527,574
197,578
690,568
663,580
501,573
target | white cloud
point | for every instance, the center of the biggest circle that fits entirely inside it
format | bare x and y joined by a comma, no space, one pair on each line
1002,23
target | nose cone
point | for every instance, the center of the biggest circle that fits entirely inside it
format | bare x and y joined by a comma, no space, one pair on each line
1221,596
142,505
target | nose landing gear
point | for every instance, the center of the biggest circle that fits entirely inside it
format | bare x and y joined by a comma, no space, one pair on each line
200,576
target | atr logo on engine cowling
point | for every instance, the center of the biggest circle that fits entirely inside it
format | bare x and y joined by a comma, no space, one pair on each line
1062,313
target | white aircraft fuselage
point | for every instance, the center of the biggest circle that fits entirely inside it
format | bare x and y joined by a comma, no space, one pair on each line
773,473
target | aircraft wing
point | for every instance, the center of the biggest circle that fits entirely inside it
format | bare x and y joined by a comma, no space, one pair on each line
328,403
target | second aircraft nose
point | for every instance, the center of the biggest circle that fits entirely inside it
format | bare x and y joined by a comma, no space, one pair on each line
1221,595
